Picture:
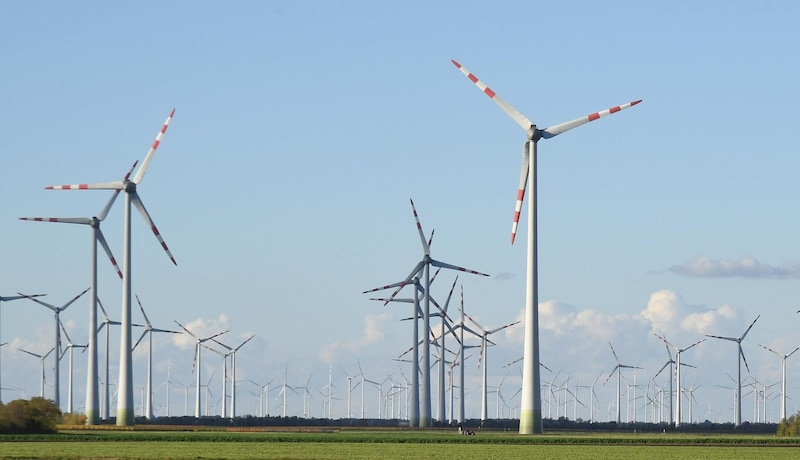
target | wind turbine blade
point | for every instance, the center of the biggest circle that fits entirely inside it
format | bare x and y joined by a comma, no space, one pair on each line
140,206
52,307
430,240
741,352
792,352
523,184
563,127
247,340
64,220
437,263
75,298
732,339
521,119
502,327
146,319
750,327
449,295
388,286
187,330
110,203
408,279
425,246
149,157
28,352
662,368
696,343
140,339
614,352
113,185
102,240
771,350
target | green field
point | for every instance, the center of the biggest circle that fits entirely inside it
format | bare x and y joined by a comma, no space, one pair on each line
381,444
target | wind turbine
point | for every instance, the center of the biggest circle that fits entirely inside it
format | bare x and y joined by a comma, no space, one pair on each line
125,407
482,358
57,313
618,369
148,330
71,347
677,375
107,323
423,266
196,362
783,376
531,410
41,359
92,396
8,299
232,352
738,415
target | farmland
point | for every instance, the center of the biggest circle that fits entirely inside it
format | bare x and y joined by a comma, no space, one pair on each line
314,443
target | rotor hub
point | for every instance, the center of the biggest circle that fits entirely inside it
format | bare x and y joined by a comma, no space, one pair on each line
534,134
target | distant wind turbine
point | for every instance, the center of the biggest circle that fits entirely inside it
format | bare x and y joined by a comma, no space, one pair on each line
148,330
677,375
232,351
531,410
196,362
739,357
57,313
41,359
8,299
783,376
71,348
618,369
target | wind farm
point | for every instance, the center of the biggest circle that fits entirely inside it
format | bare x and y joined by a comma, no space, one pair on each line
286,184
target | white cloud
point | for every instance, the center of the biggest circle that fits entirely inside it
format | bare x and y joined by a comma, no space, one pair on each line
374,327
746,267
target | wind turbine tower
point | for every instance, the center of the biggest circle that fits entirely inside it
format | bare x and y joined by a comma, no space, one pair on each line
783,376
531,410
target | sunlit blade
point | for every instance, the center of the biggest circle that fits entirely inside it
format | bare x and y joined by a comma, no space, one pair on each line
64,220
140,206
521,119
140,173
450,294
523,185
187,330
430,240
748,329
102,240
425,246
433,278
388,286
107,208
115,185
483,331
563,127
436,263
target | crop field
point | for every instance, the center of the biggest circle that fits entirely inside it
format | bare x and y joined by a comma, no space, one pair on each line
386,444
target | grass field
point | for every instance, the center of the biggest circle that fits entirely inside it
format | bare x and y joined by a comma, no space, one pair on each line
396,444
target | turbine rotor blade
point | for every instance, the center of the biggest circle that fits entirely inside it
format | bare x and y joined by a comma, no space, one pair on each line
750,327
64,220
140,339
523,184
437,263
140,206
563,127
102,240
114,185
426,249
521,119
149,157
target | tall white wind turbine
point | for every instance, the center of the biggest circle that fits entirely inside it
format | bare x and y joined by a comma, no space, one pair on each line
783,376
425,420
8,299
148,331
531,410
232,351
739,357
125,407
677,376
71,348
57,314
92,395
196,363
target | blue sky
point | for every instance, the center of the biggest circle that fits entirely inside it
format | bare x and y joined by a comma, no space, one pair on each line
303,128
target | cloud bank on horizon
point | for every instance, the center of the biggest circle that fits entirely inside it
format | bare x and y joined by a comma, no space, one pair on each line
745,267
